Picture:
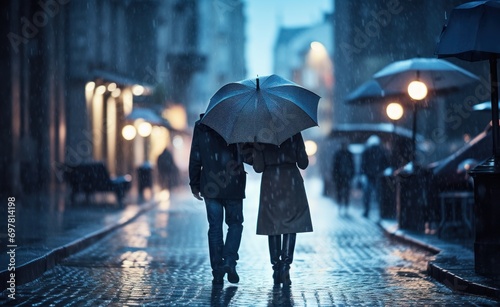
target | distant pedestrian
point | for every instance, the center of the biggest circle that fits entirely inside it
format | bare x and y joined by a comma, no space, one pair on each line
168,173
283,208
217,174
373,162
343,172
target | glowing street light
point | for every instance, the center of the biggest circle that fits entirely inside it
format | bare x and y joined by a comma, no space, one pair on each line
394,111
417,90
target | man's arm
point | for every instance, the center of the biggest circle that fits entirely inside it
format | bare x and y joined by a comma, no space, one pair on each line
195,165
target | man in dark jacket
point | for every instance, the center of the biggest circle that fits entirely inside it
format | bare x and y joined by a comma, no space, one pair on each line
373,163
217,174
343,172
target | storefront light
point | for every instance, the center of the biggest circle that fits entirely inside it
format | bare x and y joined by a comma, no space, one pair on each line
111,86
90,86
129,132
138,90
100,90
116,92
144,129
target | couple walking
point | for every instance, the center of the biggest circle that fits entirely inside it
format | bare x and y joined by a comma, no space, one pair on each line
217,176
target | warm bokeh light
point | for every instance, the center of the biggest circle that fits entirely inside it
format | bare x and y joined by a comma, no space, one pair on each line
116,92
176,116
318,47
90,86
128,101
144,129
311,147
129,132
394,111
178,142
138,90
417,90
100,90
111,86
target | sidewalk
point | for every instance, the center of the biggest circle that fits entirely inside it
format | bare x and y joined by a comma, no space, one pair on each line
48,230
453,265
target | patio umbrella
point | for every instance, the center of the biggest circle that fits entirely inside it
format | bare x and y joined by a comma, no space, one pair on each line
483,106
471,34
438,75
148,115
369,91
267,109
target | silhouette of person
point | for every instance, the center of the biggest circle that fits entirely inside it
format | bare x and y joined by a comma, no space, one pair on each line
168,172
217,175
283,208
373,162
343,172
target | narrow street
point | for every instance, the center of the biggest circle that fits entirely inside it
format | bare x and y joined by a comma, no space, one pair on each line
161,259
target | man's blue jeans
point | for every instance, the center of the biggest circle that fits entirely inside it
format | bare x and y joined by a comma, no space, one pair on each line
224,252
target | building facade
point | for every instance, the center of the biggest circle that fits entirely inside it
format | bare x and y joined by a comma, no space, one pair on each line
75,70
372,34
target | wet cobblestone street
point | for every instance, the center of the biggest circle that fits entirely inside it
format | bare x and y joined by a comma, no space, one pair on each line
161,259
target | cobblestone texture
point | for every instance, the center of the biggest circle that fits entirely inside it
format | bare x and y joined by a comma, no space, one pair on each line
161,259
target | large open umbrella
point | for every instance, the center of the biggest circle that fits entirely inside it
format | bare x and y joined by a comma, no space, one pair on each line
483,106
438,76
471,34
369,91
148,115
267,109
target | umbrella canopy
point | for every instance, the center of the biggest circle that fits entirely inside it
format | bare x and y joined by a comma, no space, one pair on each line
437,75
483,106
148,115
360,132
268,109
471,34
368,92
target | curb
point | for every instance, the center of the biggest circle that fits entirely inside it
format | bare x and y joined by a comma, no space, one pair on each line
440,274
35,268
459,284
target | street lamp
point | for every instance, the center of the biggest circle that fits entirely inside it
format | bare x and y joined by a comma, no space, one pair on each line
417,90
394,111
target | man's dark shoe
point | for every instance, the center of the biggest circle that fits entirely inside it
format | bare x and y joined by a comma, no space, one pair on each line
232,275
218,278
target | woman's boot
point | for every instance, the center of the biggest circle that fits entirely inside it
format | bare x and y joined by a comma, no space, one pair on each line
287,257
275,252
